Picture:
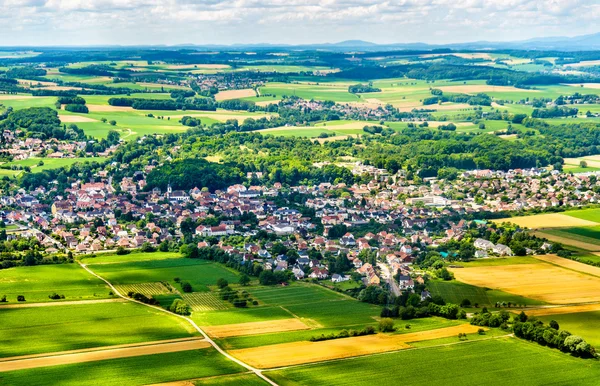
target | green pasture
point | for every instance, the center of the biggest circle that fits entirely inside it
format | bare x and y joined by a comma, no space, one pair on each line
133,371
199,273
36,283
322,92
455,292
585,214
108,258
584,324
35,330
52,163
483,362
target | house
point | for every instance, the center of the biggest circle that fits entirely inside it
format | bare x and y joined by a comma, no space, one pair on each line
481,254
336,278
502,250
405,282
483,244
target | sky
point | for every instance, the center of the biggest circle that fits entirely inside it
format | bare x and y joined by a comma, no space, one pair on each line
172,22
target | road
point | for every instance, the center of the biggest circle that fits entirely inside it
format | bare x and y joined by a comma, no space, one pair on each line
204,334
387,276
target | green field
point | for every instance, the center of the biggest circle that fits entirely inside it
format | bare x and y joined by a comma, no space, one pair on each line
141,370
584,324
483,362
199,273
59,328
455,292
107,258
322,92
38,282
585,214
52,163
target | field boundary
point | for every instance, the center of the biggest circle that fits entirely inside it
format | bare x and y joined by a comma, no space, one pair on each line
206,337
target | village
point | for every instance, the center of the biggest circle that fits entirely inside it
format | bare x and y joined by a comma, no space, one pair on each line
379,227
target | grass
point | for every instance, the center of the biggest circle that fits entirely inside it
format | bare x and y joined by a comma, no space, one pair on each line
585,214
141,370
584,324
199,273
131,257
37,282
52,163
455,292
495,261
59,328
474,363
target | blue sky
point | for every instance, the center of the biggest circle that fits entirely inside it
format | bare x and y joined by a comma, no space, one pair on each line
127,22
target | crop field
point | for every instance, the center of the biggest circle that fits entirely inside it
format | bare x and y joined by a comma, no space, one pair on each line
248,379
475,363
323,91
533,281
59,328
140,370
248,341
586,238
198,273
204,302
547,311
38,282
147,289
548,220
109,258
235,94
455,292
255,328
288,354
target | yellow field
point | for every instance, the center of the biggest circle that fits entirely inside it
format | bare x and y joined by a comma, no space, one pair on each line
562,310
255,328
542,281
296,353
549,220
235,94
75,118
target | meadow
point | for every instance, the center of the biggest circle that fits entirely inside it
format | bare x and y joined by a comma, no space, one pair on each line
584,324
108,258
455,292
38,282
141,370
199,273
52,163
473,363
37,330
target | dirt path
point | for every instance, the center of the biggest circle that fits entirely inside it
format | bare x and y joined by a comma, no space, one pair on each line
206,337
67,303
99,355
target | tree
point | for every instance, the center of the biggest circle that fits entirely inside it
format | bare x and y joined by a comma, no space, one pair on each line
222,283
186,286
244,280
583,164
20,298
554,324
386,325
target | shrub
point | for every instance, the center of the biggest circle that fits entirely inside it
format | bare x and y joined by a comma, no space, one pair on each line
386,325
180,307
20,298
3,299
222,283
56,296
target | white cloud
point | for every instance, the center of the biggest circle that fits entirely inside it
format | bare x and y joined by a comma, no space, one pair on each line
289,21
